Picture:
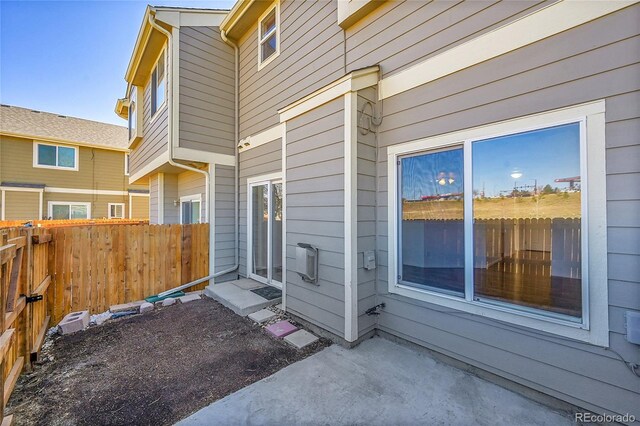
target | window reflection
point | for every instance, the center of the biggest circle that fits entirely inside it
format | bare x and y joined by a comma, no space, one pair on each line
527,219
432,226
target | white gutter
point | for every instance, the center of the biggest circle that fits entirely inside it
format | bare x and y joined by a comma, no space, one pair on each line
205,173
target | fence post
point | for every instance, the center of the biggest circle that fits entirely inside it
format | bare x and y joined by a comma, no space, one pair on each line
28,290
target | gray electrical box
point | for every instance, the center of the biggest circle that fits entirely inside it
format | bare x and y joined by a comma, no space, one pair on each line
369,261
633,327
307,263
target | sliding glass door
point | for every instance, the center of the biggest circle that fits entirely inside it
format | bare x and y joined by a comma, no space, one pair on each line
265,232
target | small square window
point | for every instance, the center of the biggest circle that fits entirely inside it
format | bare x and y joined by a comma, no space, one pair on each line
269,35
116,210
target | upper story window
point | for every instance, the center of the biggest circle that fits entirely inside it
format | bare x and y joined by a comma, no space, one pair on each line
158,84
269,35
493,221
126,164
52,156
133,104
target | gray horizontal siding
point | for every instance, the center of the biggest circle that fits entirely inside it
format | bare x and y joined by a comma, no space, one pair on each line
399,34
193,183
153,199
366,187
171,194
224,221
311,57
206,91
261,160
598,60
155,135
315,212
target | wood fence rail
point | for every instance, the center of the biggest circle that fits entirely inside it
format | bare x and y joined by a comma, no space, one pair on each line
69,222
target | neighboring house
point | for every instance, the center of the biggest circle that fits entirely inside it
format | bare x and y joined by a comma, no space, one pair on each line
473,166
59,167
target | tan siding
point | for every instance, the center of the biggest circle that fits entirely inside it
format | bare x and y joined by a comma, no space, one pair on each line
99,203
598,60
206,91
315,212
311,57
98,169
139,207
21,205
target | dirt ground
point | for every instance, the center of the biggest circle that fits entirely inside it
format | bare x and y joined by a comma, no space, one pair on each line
151,369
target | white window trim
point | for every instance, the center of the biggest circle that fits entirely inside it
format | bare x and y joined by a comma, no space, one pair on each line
189,198
595,326
164,103
268,179
109,205
41,166
262,38
50,205
126,164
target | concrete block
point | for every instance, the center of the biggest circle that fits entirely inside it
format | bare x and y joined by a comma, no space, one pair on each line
281,329
189,298
75,321
301,339
279,306
125,307
169,301
262,315
146,307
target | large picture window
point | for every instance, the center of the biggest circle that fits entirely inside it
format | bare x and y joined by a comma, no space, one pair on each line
59,210
493,221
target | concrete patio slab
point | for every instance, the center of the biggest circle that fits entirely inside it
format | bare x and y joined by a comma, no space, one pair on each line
240,300
376,383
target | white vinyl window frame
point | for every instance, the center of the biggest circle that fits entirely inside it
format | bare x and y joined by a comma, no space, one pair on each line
36,160
270,180
190,199
50,205
154,85
594,325
262,38
126,164
110,216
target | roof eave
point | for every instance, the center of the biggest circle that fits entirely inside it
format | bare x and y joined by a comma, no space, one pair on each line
235,16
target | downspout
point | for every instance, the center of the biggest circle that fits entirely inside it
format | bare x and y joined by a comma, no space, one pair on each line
207,175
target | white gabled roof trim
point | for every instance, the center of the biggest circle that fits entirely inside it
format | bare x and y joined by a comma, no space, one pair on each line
529,29
269,135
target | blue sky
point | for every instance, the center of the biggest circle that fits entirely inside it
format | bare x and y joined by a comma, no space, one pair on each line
541,155
70,57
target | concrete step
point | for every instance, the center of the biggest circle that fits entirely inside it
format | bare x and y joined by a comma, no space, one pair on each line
236,295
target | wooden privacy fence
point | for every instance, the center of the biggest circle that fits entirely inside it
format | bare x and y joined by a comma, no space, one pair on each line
24,316
68,222
95,267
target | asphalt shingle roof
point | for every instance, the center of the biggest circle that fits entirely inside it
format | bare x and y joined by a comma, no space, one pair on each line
23,121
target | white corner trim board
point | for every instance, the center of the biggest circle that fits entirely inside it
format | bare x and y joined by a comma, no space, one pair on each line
529,29
269,135
350,217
